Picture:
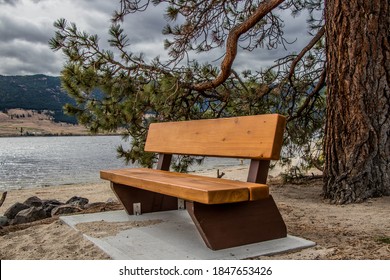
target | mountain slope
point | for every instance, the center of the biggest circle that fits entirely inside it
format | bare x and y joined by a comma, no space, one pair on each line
37,92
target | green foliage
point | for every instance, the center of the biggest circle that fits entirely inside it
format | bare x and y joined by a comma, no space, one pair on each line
384,239
182,163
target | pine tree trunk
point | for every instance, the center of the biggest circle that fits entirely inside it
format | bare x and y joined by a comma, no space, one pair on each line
357,141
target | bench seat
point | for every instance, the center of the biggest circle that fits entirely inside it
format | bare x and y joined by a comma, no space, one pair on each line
189,187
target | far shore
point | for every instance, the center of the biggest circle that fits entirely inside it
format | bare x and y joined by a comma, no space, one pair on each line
30,123
20,122
60,135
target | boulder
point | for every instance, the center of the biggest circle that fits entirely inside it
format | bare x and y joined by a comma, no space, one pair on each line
65,209
3,221
50,204
78,201
11,212
29,215
33,201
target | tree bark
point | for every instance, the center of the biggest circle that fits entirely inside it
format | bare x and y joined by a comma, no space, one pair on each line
357,141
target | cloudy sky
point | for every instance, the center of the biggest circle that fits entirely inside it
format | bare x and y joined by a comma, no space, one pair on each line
26,26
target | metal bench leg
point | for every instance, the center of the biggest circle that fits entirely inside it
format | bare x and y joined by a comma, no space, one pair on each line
234,224
150,201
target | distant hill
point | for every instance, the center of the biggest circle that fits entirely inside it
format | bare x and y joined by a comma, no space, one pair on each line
21,122
36,92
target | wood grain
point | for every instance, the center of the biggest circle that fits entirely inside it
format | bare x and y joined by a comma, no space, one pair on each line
187,186
255,137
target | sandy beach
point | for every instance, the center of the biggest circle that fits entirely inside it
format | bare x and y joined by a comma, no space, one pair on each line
358,231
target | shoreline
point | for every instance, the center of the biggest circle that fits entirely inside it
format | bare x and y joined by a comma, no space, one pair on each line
59,135
30,123
95,192
51,185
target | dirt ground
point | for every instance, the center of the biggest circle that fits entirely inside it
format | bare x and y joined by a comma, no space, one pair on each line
358,231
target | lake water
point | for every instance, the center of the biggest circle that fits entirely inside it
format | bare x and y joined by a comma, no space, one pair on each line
27,162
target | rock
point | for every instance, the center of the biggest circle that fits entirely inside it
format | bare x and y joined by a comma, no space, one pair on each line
77,201
29,215
111,200
15,209
65,209
49,205
3,221
33,201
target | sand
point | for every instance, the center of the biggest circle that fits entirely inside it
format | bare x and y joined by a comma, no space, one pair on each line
358,231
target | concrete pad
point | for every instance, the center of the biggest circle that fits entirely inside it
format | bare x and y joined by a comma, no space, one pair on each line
169,235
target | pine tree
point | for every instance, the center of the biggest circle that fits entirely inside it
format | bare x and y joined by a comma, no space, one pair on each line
127,93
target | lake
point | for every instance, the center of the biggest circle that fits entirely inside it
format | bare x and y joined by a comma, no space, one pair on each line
27,162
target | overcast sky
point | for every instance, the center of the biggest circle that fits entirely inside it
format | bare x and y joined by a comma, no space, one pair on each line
26,26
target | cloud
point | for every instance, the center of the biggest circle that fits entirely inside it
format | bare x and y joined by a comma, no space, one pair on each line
16,28
20,57
27,25
9,2
24,44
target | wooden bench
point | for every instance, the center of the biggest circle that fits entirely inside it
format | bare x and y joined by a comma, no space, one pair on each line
227,213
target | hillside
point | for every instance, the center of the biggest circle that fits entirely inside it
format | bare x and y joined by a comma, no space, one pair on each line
20,122
37,92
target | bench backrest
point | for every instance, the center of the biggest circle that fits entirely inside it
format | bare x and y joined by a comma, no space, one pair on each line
254,137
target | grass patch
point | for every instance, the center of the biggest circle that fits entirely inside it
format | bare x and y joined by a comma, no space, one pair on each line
383,239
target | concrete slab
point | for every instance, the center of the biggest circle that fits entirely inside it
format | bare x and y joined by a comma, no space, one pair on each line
169,235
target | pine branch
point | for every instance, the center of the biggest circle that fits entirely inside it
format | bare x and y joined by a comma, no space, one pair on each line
232,44
316,90
311,44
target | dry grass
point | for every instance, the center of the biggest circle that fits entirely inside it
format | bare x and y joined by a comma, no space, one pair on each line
19,122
